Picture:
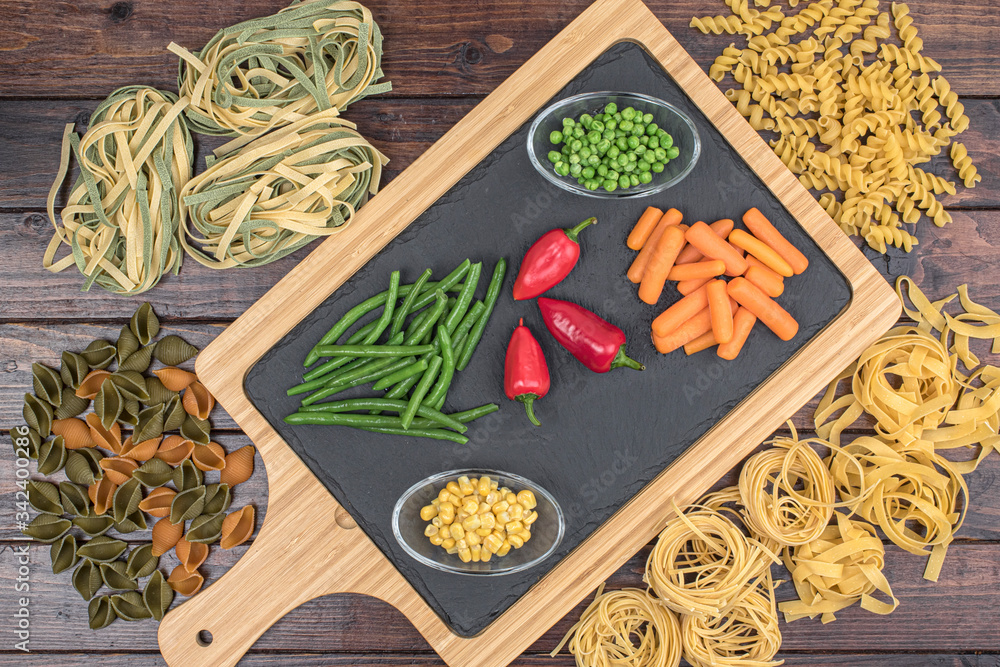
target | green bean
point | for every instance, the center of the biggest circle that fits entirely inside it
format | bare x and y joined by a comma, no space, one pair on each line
404,310
413,369
464,297
462,331
435,433
372,371
341,419
492,294
427,324
398,407
373,350
417,397
368,364
435,397
390,305
360,334
467,416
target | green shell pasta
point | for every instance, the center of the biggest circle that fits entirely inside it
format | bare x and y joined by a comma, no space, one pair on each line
133,522
131,384
108,403
52,455
130,412
144,324
47,528
94,524
83,466
47,383
196,430
37,415
71,406
114,577
102,549
63,554
153,473
186,476
174,414
99,354
74,499
158,394
129,606
73,369
205,529
217,498
158,595
87,578
126,500
141,562
187,505
44,496
138,361
101,613
174,350
150,424
126,344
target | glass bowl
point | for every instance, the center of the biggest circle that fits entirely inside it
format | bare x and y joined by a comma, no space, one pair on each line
666,116
408,528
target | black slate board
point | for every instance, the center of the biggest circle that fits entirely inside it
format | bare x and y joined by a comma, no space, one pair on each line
603,437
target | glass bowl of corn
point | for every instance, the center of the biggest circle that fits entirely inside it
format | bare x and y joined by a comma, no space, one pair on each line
478,522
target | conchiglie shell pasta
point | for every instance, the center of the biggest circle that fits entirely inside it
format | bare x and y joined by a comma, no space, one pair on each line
175,379
190,554
237,527
105,438
92,384
209,457
157,503
118,469
74,431
140,451
185,583
197,401
239,466
165,536
101,493
174,450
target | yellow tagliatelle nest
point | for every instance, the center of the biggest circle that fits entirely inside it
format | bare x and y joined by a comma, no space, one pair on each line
625,628
746,635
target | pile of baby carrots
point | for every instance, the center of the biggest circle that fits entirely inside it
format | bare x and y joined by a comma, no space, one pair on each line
713,311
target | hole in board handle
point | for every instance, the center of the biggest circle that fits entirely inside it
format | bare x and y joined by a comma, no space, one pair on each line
204,638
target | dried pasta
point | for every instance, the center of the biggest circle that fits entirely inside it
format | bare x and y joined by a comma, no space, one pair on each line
745,635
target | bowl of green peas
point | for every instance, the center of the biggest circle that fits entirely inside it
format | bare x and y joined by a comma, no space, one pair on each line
613,145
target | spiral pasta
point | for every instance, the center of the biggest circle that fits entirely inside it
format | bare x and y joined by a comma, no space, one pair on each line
963,163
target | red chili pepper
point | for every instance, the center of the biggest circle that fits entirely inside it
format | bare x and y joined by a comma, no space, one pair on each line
526,375
548,261
595,342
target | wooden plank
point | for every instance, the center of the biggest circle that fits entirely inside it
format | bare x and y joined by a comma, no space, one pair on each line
431,48
402,128
960,613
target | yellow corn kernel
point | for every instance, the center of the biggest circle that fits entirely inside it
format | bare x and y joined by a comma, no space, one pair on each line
484,508
446,512
437,540
472,522
484,532
470,506
525,534
516,511
504,549
494,484
474,481
436,521
501,533
504,491
455,499
465,555
453,550
530,518
484,485
527,499
436,501
454,488
488,520
460,516
485,556
461,544
501,506
465,485
492,498
510,497
511,527
443,495
515,541
430,530
428,512
457,531
493,543
473,538
476,553
448,543
445,531
503,518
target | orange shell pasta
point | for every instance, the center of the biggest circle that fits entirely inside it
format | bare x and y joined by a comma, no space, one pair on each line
197,401
239,466
91,384
175,379
75,432
166,535
174,450
101,493
157,503
118,468
185,583
142,451
237,527
209,457
105,438
190,554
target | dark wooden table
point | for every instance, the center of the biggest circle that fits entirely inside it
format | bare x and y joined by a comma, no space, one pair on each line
59,59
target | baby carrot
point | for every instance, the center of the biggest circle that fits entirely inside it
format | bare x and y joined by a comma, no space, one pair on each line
655,276
689,330
702,237
708,268
761,251
685,287
764,307
702,342
671,217
690,254
642,230
680,312
722,317
766,232
769,282
743,322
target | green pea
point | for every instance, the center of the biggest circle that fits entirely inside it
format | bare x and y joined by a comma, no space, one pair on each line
554,156
613,175
597,126
624,181
574,158
666,141
610,185
588,172
651,128
645,177
622,159
613,152
628,113
576,145
630,167
640,150
593,137
593,185
565,150
654,142
642,165
657,167
661,133
673,152
603,146
586,152
611,108
644,140
620,133
608,135
556,137
602,170
611,125
638,130
621,143
660,155
580,180
632,157
632,142
593,160
586,120
626,125
579,132
576,169
633,179
568,122
618,117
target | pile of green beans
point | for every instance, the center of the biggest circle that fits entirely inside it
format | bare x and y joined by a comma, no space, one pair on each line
428,337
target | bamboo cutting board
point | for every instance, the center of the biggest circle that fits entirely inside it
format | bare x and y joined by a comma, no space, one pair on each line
310,546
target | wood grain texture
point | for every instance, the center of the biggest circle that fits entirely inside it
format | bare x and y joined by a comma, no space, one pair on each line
294,490
432,48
